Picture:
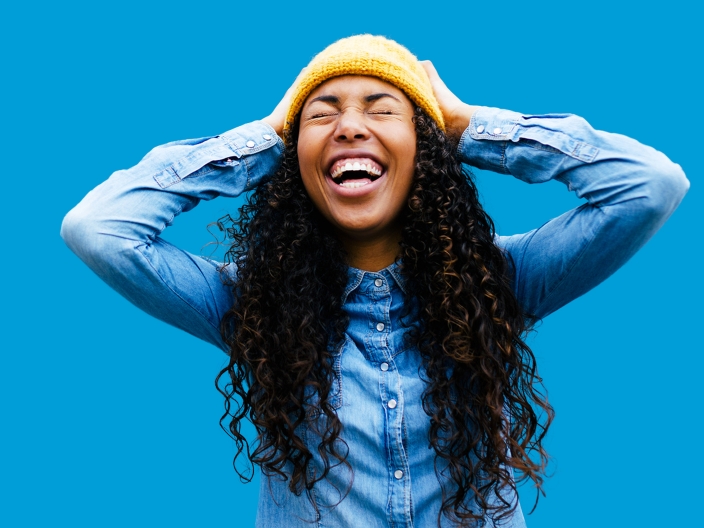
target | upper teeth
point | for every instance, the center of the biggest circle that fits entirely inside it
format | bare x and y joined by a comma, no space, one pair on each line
355,166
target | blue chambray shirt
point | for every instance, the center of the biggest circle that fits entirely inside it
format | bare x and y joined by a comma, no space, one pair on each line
629,191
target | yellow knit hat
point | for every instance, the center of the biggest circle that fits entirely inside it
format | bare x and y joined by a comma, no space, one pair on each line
373,56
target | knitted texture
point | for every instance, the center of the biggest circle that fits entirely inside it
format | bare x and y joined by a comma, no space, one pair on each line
367,55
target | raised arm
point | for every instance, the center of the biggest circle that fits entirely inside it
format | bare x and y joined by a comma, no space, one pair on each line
630,190
115,229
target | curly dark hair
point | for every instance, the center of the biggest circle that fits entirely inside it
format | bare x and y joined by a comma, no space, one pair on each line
488,414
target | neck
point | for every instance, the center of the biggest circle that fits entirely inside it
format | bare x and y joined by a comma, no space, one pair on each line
372,254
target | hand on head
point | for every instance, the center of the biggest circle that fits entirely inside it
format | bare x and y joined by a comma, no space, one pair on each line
277,118
455,113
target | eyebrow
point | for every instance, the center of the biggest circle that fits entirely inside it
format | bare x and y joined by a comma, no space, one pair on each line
377,96
333,99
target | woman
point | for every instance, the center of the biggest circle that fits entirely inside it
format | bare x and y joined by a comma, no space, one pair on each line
374,322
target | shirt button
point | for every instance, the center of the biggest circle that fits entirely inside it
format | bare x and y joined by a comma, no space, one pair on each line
250,144
398,474
480,128
267,137
384,366
392,404
380,326
378,283
497,131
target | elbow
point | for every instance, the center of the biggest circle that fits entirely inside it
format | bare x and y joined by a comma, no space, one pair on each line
71,228
80,232
667,188
677,183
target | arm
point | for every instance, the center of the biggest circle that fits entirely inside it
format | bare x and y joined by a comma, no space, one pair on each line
630,190
115,229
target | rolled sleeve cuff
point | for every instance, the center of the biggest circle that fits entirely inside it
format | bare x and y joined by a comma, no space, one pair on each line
235,146
255,138
483,143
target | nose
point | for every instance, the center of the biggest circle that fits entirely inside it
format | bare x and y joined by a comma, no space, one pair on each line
351,126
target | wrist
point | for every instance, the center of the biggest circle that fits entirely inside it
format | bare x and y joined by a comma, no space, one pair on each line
276,123
457,121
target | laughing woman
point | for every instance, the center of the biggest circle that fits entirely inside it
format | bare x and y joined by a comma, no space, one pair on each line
373,319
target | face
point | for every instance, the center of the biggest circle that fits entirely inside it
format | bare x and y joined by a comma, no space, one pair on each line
356,150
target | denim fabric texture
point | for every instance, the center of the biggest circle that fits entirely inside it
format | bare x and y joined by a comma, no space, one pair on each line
629,191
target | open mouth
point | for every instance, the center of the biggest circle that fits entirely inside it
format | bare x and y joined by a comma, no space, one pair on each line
355,172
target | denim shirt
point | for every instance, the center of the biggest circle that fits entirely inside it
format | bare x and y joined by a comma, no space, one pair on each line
629,191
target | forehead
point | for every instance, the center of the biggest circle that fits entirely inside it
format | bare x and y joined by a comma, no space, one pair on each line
356,86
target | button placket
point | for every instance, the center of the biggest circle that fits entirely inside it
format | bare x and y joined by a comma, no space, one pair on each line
394,415
380,350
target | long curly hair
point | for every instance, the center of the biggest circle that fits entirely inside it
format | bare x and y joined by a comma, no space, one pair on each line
484,400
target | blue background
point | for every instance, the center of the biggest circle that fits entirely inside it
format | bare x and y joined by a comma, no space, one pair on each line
110,418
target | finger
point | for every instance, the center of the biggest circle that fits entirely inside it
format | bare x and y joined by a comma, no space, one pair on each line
435,81
429,69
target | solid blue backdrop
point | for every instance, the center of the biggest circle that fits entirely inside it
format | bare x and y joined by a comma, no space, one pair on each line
110,418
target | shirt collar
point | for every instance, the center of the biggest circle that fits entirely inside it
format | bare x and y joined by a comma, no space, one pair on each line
356,276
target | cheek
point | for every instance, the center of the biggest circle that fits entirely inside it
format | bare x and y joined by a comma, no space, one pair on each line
307,160
312,187
408,167
309,184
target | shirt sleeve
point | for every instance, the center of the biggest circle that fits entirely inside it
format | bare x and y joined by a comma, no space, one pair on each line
630,190
115,229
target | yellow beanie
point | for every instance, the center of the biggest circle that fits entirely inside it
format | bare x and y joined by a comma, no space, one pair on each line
373,56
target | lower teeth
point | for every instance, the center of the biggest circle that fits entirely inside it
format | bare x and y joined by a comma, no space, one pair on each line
353,184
